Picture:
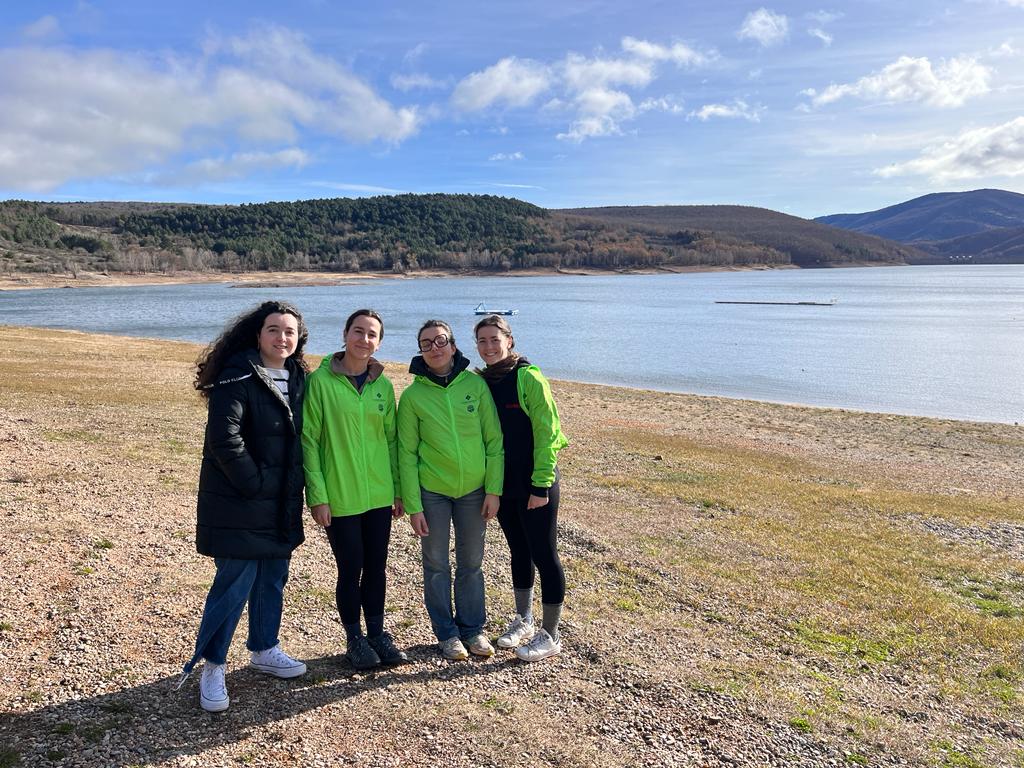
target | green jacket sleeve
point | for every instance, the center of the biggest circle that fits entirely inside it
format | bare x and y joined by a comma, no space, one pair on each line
312,425
408,453
391,433
536,401
494,449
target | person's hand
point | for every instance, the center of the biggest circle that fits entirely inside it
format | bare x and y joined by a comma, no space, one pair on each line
321,514
490,507
398,510
419,524
536,501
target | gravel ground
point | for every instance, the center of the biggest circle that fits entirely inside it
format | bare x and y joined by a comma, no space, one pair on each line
103,592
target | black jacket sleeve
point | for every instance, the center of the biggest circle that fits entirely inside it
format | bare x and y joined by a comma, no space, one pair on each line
228,406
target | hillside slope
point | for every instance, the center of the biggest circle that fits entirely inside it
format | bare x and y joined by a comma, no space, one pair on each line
807,243
935,217
409,232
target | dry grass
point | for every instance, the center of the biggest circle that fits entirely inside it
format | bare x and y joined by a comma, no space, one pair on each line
769,584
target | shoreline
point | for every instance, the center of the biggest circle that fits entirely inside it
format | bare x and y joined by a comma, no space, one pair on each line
15,281
647,391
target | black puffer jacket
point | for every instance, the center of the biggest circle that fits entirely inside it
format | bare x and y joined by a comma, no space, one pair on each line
250,483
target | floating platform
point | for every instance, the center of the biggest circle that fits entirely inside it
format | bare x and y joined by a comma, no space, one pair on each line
481,310
785,303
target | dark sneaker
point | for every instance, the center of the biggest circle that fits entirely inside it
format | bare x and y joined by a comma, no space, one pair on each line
360,655
386,650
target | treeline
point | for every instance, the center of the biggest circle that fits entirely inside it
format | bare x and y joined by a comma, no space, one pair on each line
390,233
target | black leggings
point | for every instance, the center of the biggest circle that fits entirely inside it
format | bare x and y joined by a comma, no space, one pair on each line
531,534
360,546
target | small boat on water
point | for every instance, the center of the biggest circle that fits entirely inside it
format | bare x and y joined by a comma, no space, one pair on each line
482,310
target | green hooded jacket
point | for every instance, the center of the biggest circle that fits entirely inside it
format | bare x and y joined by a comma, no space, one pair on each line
349,446
449,439
537,403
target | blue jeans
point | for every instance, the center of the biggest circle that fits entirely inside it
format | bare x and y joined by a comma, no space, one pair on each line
260,583
441,513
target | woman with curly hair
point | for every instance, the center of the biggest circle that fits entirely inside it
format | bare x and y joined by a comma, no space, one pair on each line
249,512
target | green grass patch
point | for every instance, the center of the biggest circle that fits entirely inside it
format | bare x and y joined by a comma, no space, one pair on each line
9,758
840,644
72,436
953,757
801,724
994,597
103,543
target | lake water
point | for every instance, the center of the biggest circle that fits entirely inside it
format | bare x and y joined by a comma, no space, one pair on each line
937,341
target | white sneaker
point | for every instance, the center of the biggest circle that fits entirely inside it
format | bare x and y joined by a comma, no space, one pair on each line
540,647
213,692
480,646
453,649
276,662
518,630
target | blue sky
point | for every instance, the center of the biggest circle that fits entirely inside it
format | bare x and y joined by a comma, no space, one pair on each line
809,108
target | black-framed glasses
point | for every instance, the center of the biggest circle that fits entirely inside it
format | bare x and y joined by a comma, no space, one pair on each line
440,342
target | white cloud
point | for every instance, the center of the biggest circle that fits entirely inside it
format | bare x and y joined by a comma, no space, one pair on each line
346,105
593,90
502,157
512,82
413,54
236,166
513,186
824,17
86,114
365,188
738,109
765,27
662,104
975,153
583,73
678,53
41,28
907,79
599,113
1005,50
821,34
416,81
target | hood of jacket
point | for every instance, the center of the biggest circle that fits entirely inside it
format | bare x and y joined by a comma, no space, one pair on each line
333,363
419,367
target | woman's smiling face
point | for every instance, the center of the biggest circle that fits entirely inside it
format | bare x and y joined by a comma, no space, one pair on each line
440,353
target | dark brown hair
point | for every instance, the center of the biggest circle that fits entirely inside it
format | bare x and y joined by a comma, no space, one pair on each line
243,333
365,313
437,324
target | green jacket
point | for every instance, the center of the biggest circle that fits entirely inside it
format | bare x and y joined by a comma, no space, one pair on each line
449,439
537,403
349,446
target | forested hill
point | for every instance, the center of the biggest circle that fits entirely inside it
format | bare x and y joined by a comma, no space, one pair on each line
807,243
410,232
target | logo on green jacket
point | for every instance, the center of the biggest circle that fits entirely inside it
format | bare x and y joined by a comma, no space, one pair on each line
470,408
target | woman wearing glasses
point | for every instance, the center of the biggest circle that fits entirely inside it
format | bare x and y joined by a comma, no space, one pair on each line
351,463
529,503
451,467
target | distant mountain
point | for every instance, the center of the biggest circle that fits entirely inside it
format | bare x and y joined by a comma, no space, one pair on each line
982,225
806,243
